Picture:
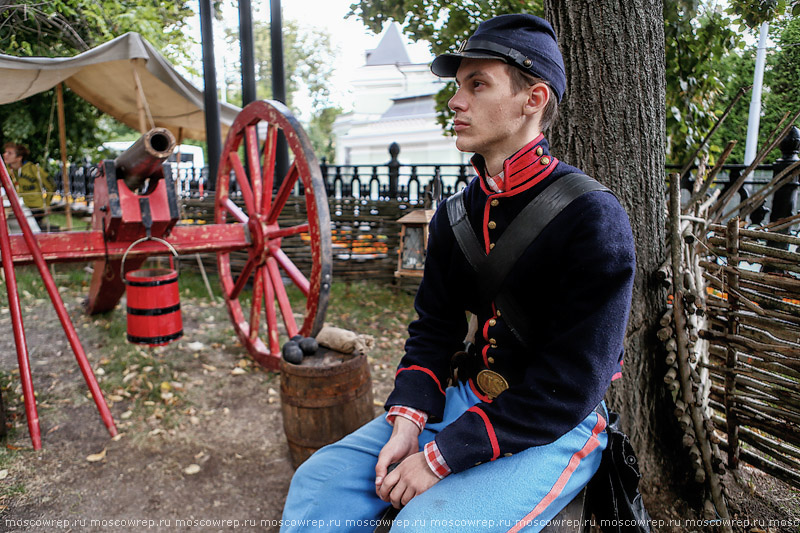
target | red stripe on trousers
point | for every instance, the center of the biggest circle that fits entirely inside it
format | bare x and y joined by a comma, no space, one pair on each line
562,480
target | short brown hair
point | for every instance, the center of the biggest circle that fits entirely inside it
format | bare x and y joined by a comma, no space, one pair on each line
522,80
20,149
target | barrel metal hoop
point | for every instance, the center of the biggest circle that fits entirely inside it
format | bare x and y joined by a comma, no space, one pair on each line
154,312
155,340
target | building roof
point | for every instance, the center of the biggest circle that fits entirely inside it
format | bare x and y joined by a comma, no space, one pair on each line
415,106
391,50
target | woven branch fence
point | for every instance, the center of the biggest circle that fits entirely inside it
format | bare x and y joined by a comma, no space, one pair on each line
365,235
732,338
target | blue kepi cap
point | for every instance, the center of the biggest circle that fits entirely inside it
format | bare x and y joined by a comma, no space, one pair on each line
527,42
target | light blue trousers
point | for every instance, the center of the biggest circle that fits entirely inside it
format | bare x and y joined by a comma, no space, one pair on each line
334,490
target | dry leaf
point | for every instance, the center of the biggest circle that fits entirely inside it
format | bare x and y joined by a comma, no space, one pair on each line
96,456
195,346
3,474
238,371
126,415
191,469
117,437
209,367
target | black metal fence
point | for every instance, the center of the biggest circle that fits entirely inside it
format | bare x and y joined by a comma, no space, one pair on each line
417,183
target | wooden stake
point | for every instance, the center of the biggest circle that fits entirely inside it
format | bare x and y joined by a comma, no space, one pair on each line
732,279
62,133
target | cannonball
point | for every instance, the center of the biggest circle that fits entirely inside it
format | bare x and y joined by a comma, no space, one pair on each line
292,353
309,345
297,338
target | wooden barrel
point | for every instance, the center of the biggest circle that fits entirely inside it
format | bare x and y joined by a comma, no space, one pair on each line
323,399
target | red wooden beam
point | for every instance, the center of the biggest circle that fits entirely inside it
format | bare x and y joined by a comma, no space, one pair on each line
69,247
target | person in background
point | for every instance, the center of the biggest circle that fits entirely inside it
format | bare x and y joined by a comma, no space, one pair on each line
33,184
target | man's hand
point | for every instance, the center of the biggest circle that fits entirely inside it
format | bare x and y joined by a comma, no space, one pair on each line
411,478
403,442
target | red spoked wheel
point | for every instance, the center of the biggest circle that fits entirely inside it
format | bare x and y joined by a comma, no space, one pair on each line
267,265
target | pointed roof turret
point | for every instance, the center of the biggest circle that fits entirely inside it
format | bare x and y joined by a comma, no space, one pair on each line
391,50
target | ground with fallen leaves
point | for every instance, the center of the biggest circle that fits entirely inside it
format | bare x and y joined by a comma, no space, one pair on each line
201,433
201,445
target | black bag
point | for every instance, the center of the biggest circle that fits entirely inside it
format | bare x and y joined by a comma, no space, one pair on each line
613,492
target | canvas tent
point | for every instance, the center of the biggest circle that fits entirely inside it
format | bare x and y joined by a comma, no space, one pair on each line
109,77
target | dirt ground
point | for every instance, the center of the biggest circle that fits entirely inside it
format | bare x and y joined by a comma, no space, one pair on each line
209,448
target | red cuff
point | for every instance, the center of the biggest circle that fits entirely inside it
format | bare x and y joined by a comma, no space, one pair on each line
415,415
435,460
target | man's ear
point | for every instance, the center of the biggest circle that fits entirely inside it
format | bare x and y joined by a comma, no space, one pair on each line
538,96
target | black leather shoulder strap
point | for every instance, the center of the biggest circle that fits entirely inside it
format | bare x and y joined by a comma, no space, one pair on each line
523,230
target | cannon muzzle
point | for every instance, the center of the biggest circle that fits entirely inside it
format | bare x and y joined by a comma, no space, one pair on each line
143,160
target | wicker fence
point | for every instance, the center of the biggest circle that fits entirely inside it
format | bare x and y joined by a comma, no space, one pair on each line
753,331
365,235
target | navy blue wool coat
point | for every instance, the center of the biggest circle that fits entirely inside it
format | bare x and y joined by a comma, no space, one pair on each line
575,281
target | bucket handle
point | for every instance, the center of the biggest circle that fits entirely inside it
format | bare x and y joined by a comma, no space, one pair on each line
150,238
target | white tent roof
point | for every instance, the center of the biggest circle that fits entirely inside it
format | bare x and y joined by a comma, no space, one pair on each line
104,76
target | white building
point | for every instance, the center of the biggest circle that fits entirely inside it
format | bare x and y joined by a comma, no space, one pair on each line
393,102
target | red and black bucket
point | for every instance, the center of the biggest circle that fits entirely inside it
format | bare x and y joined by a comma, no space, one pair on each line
154,307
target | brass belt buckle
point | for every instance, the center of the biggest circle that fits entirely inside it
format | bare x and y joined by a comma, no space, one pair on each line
491,383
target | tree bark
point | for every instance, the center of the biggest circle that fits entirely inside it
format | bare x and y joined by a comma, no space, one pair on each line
612,126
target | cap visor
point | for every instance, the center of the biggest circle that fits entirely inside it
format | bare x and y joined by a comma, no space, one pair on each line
446,65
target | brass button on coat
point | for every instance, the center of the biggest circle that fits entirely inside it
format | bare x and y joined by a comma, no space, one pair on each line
490,360
492,224
495,202
491,245
539,150
545,160
492,341
492,322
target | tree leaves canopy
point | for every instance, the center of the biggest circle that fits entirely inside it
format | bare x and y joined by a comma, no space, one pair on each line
699,34
58,28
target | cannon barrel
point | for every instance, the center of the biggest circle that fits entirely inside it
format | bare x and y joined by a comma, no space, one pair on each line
143,160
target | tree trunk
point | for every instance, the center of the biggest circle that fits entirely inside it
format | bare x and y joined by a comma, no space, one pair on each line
612,126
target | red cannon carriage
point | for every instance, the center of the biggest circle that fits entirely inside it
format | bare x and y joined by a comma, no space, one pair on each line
133,200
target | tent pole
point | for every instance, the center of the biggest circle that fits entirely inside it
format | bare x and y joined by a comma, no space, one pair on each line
62,133
137,83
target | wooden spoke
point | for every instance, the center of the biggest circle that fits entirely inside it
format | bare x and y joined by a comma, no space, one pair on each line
244,184
253,163
288,232
234,210
282,297
268,170
255,304
272,318
292,271
243,277
283,194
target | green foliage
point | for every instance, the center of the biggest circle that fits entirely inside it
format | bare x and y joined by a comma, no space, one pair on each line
781,89
445,24
698,38
751,14
320,131
61,28
308,61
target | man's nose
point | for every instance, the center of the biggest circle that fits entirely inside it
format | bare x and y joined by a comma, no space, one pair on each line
457,102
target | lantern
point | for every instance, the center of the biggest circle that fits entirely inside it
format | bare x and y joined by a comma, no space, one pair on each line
413,242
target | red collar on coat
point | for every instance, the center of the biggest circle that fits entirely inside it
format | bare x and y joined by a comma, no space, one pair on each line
530,165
